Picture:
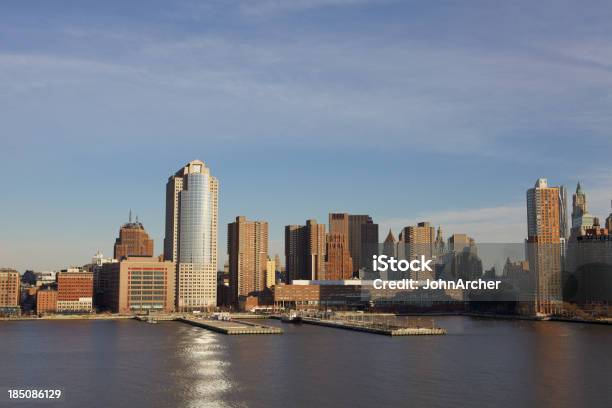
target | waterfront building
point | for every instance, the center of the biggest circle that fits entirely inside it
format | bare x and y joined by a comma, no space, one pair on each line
9,291
139,285
133,240
339,263
191,235
46,301
247,247
74,291
545,244
305,251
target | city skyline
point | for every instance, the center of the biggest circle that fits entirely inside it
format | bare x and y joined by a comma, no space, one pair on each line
350,94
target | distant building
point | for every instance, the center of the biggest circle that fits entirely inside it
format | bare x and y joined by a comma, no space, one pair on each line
363,241
545,244
270,273
390,245
305,251
46,301
191,235
339,263
9,291
581,219
74,291
133,241
139,285
247,247
418,240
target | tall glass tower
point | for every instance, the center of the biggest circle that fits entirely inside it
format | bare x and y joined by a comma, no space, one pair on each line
191,235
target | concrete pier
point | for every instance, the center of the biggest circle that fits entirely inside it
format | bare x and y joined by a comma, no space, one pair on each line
376,328
232,327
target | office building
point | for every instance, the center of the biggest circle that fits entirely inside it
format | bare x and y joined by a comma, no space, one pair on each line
46,301
416,241
305,251
74,291
270,273
247,248
339,263
191,235
133,240
363,241
139,285
9,291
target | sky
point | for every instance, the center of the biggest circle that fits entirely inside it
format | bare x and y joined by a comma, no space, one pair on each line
408,111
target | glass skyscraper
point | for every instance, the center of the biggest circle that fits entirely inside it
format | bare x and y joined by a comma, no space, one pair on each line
191,235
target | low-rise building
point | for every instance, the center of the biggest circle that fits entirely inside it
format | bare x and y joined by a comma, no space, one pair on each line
9,291
74,291
138,285
46,301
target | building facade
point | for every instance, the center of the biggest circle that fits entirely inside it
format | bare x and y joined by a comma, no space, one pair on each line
74,291
363,241
46,301
9,291
133,240
305,251
139,285
247,248
191,235
545,244
339,261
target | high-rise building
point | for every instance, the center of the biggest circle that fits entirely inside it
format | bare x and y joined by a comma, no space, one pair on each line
390,245
609,221
581,219
339,261
545,241
363,241
247,247
74,291
270,273
139,285
133,240
416,241
439,244
305,251
191,235
9,291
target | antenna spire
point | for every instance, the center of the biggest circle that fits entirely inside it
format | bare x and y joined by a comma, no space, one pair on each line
130,216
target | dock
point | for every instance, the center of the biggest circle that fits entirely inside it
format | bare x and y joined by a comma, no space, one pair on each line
376,328
231,327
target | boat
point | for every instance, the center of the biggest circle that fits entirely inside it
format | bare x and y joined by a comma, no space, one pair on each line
292,317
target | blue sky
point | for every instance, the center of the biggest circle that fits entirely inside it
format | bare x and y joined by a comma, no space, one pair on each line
406,110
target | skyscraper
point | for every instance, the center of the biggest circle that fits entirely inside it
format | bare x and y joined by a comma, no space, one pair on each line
418,240
545,216
191,235
247,247
305,251
339,261
363,241
133,240
581,219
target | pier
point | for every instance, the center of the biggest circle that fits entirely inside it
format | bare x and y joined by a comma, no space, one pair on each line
376,328
232,327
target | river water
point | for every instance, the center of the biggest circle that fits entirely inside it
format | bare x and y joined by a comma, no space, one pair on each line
479,363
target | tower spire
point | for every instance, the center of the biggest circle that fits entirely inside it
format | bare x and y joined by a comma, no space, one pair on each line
130,219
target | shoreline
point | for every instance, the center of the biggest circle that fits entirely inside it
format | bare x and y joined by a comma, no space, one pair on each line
246,316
